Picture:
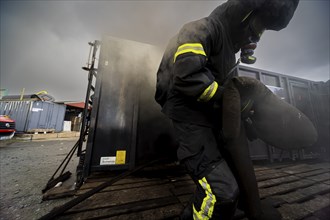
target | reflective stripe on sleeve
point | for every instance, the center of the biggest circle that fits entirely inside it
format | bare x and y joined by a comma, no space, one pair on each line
195,48
208,92
207,207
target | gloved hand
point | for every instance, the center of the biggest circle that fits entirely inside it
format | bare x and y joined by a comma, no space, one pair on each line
246,53
250,129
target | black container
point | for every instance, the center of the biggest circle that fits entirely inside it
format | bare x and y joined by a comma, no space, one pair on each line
312,98
127,127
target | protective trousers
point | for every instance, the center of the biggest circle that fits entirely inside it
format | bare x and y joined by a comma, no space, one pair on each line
217,192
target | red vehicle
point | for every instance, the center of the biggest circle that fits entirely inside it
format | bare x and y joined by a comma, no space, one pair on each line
7,127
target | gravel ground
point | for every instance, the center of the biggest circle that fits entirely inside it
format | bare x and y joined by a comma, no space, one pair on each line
25,168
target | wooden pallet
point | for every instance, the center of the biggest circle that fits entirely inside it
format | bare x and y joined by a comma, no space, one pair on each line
298,191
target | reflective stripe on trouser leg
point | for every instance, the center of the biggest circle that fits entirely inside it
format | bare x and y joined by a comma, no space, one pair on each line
207,206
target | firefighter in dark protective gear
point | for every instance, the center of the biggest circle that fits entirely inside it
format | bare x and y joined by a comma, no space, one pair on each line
191,81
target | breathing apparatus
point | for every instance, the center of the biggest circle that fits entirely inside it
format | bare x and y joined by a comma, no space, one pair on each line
254,27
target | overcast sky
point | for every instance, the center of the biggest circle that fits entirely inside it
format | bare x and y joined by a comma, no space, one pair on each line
44,43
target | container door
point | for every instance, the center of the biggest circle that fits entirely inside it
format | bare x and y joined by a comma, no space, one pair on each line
112,136
58,117
53,116
37,117
301,99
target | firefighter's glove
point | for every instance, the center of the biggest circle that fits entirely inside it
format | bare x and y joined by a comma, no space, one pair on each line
218,97
221,89
246,53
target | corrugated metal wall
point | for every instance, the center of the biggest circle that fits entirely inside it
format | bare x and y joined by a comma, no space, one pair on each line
17,110
30,115
308,96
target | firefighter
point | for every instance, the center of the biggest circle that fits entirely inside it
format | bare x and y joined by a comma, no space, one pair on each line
191,81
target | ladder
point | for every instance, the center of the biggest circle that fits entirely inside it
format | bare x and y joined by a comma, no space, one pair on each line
86,116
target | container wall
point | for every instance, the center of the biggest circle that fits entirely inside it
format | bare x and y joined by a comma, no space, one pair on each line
320,98
18,111
46,115
125,117
309,97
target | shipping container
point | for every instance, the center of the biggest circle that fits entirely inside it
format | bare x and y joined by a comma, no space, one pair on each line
31,116
312,98
128,128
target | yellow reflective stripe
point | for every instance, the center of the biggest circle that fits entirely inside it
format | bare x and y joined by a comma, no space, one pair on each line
42,92
208,92
208,203
251,58
195,48
246,16
247,104
196,215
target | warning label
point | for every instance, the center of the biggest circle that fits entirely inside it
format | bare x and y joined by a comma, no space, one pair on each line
107,160
120,157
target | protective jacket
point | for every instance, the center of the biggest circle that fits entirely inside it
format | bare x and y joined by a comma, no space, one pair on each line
190,84
192,72
194,65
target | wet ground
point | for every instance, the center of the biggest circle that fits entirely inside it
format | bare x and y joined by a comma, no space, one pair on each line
299,190
25,167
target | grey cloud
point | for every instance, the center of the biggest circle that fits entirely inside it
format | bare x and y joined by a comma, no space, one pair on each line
44,43
302,49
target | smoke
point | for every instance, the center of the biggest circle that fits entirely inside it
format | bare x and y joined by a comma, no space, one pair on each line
44,43
125,102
